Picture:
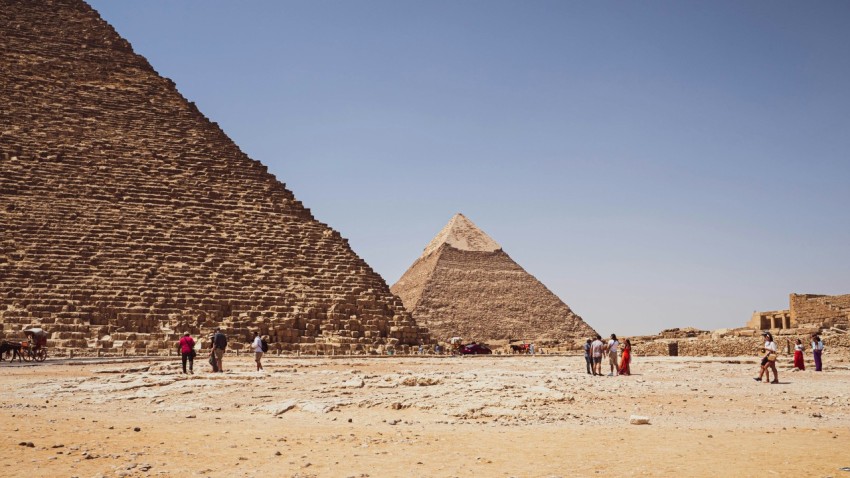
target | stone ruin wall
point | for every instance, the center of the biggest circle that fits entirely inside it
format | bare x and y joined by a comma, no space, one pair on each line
739,342
772,319
820,310
806,312
128,217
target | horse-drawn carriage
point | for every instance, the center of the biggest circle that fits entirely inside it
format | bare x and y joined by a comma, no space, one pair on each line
472,348
523,347
33,347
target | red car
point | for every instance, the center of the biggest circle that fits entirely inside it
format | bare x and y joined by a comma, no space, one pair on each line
475,349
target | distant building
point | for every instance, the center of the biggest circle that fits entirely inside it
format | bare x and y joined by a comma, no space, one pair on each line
806,311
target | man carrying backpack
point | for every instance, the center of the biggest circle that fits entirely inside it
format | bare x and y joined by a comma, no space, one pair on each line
219,345
259,349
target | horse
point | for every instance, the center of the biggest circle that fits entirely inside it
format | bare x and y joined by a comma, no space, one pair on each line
519,349
13,347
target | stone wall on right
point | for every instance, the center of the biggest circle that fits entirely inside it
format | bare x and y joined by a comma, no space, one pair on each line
822,311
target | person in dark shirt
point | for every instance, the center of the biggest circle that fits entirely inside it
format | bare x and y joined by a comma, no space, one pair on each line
219,345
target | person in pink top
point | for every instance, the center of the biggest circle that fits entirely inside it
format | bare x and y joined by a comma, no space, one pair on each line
187,351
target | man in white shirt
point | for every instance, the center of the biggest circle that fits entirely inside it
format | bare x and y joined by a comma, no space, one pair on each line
596,349
258,350
613,347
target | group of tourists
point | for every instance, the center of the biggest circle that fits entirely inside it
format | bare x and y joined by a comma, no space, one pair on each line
771,351
595,351
218,345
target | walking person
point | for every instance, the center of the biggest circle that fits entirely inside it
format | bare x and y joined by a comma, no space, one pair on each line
626,359
258,350
587,359
613,347
817,352
768,362
799,363
186,345
219,344
596,349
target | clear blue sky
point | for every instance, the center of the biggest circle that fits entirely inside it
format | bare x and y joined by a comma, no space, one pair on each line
656,164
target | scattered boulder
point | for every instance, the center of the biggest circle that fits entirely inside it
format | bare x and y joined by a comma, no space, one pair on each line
353,383
638,420
284,407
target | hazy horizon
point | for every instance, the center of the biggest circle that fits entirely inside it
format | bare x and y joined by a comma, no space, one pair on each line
655,165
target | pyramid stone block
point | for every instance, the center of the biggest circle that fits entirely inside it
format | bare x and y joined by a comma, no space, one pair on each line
127,217
465,285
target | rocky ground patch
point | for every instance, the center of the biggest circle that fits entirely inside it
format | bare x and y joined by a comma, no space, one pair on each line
427,416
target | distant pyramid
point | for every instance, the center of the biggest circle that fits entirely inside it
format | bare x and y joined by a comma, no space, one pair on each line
464,284
127,217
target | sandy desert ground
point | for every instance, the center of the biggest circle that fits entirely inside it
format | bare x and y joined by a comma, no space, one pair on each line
523,416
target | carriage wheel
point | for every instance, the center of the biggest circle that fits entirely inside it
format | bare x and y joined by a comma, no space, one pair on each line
40,355
27,355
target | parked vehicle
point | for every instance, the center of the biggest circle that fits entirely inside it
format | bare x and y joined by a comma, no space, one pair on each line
475,349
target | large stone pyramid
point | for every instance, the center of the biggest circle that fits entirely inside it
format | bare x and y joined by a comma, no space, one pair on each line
127,217
465,285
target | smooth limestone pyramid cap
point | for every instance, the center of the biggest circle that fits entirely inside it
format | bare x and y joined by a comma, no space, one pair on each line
464,235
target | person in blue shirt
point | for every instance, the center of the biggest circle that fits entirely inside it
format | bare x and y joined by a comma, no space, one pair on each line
817,351
587,359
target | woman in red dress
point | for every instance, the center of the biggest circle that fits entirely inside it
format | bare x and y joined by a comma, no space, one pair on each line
626,358
798,356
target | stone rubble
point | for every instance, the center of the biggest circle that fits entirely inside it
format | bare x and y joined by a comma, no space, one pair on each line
738,342
476,390
638,420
